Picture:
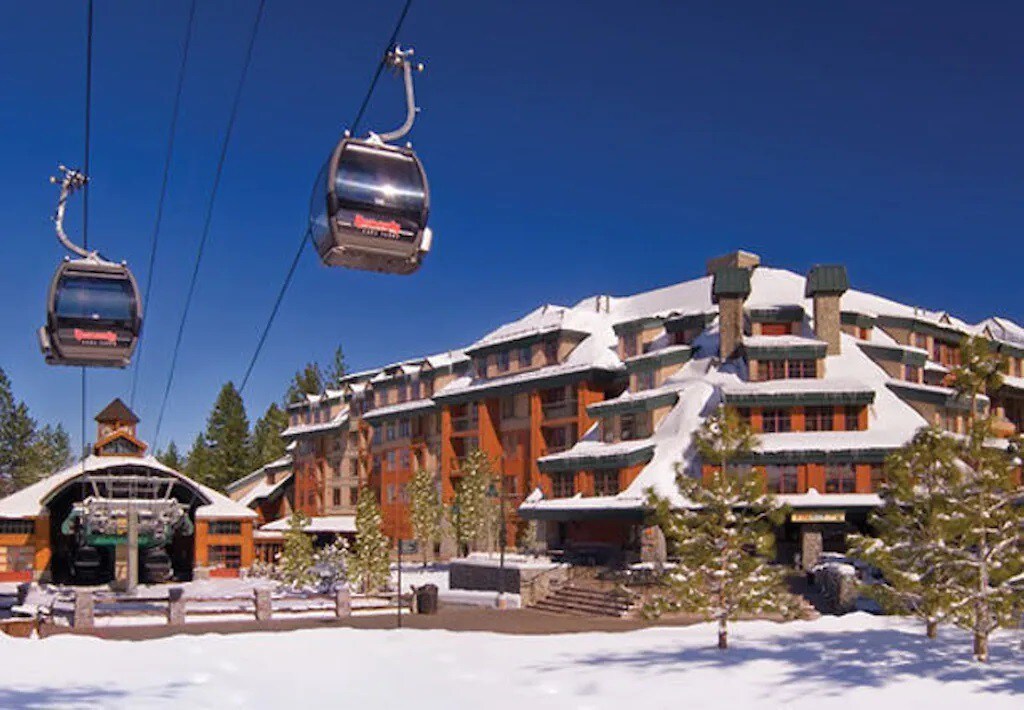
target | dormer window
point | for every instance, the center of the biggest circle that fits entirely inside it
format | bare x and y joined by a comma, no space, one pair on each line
504,361
481,367
629,345
525,356
551,352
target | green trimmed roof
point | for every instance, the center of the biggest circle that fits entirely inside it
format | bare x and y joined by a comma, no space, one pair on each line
786,352
587,463
502,387
916,325
893,353
690,322
776,314
612,407
523,340
872,455
862,320
730,281
827,279
672,355
938,396
642,323
798,399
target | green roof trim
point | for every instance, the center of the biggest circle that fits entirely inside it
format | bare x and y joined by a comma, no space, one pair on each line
948,400
892,353
730,281
872,455
827,279
490,390
799,399
674,355
946,334
632,326
613,407
374,415
587,463
778,314
1008,349
691,321
521,341
861,320
634,515
786,352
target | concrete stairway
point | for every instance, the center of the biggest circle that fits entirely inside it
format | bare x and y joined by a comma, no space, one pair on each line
582,601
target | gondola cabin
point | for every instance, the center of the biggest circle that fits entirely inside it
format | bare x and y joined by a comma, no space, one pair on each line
94,315
370,208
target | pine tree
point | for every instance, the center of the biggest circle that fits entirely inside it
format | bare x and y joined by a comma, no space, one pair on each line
425,510
369,566
295,565
18,466
198,463
330,563
171,457
51,450
308,380
471,511
227,435
910,546
724,542
336,370
267,444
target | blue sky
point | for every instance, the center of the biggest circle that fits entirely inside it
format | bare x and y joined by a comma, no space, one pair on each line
572,148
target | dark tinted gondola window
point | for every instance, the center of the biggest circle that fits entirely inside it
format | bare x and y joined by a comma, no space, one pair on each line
94,299
318,207
379,178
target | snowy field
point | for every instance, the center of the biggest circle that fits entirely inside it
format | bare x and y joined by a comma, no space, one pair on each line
857,661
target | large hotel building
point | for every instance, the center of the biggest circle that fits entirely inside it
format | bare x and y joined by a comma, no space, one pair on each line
584,408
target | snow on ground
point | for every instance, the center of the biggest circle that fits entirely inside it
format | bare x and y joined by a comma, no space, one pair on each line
848,662
415,575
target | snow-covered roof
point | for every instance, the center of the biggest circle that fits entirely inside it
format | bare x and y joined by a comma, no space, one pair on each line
336,422
390,410
282,462
263,489
30,502
319,524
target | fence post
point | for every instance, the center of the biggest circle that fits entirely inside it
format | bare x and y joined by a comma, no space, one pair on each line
176,606
342,602
263,609
85,610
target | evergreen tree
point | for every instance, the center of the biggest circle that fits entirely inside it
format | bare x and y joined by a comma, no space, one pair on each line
171,457
295,565
51,450
330,564
199,462
336,370
911,540
308,380
227,435
369,566
18,455
471,511
724,542
267,444
425,510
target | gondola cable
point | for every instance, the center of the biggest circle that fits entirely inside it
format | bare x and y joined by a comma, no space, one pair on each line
168,154
306,235
209,215
85,190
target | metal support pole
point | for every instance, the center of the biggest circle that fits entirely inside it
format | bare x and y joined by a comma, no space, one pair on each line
133,550
398,540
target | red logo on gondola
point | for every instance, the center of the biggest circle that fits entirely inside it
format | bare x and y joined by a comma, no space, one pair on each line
377,225
95,337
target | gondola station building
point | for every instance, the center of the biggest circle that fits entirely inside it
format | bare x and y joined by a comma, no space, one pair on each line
71,527
584,408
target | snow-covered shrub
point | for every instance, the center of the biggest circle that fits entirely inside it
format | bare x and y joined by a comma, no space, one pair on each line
837,582
330,565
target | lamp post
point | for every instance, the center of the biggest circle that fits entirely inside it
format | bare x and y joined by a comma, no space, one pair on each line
398,540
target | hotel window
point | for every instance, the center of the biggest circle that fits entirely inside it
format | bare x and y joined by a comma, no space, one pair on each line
403,459
551,352
783,478
840,478
404,428
16,527
225,527
911,373
608,430
353,495
775,329
376,464
390,435
851,416
919,340
524,356
776,420
336,496
403,393
629,344
415,388
634,426
229,556
606,483
563,485
877,477
504,361
391,460
818,419
378,435
772,369
389,494
645,380
802,369
508,407
481,367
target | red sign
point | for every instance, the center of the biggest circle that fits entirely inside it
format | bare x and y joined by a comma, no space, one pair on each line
95,337
377,225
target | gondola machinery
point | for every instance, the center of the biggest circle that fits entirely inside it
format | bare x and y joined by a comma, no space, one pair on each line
371,200
93,310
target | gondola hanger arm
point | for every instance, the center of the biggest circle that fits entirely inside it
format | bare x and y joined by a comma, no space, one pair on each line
401,59
72,181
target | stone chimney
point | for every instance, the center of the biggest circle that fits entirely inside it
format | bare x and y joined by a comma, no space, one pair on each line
826,284
729,289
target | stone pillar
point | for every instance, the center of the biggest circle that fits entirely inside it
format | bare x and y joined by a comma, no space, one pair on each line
262,602
827,325
176,606
810,546
652,547
84,616
342,602
730,326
